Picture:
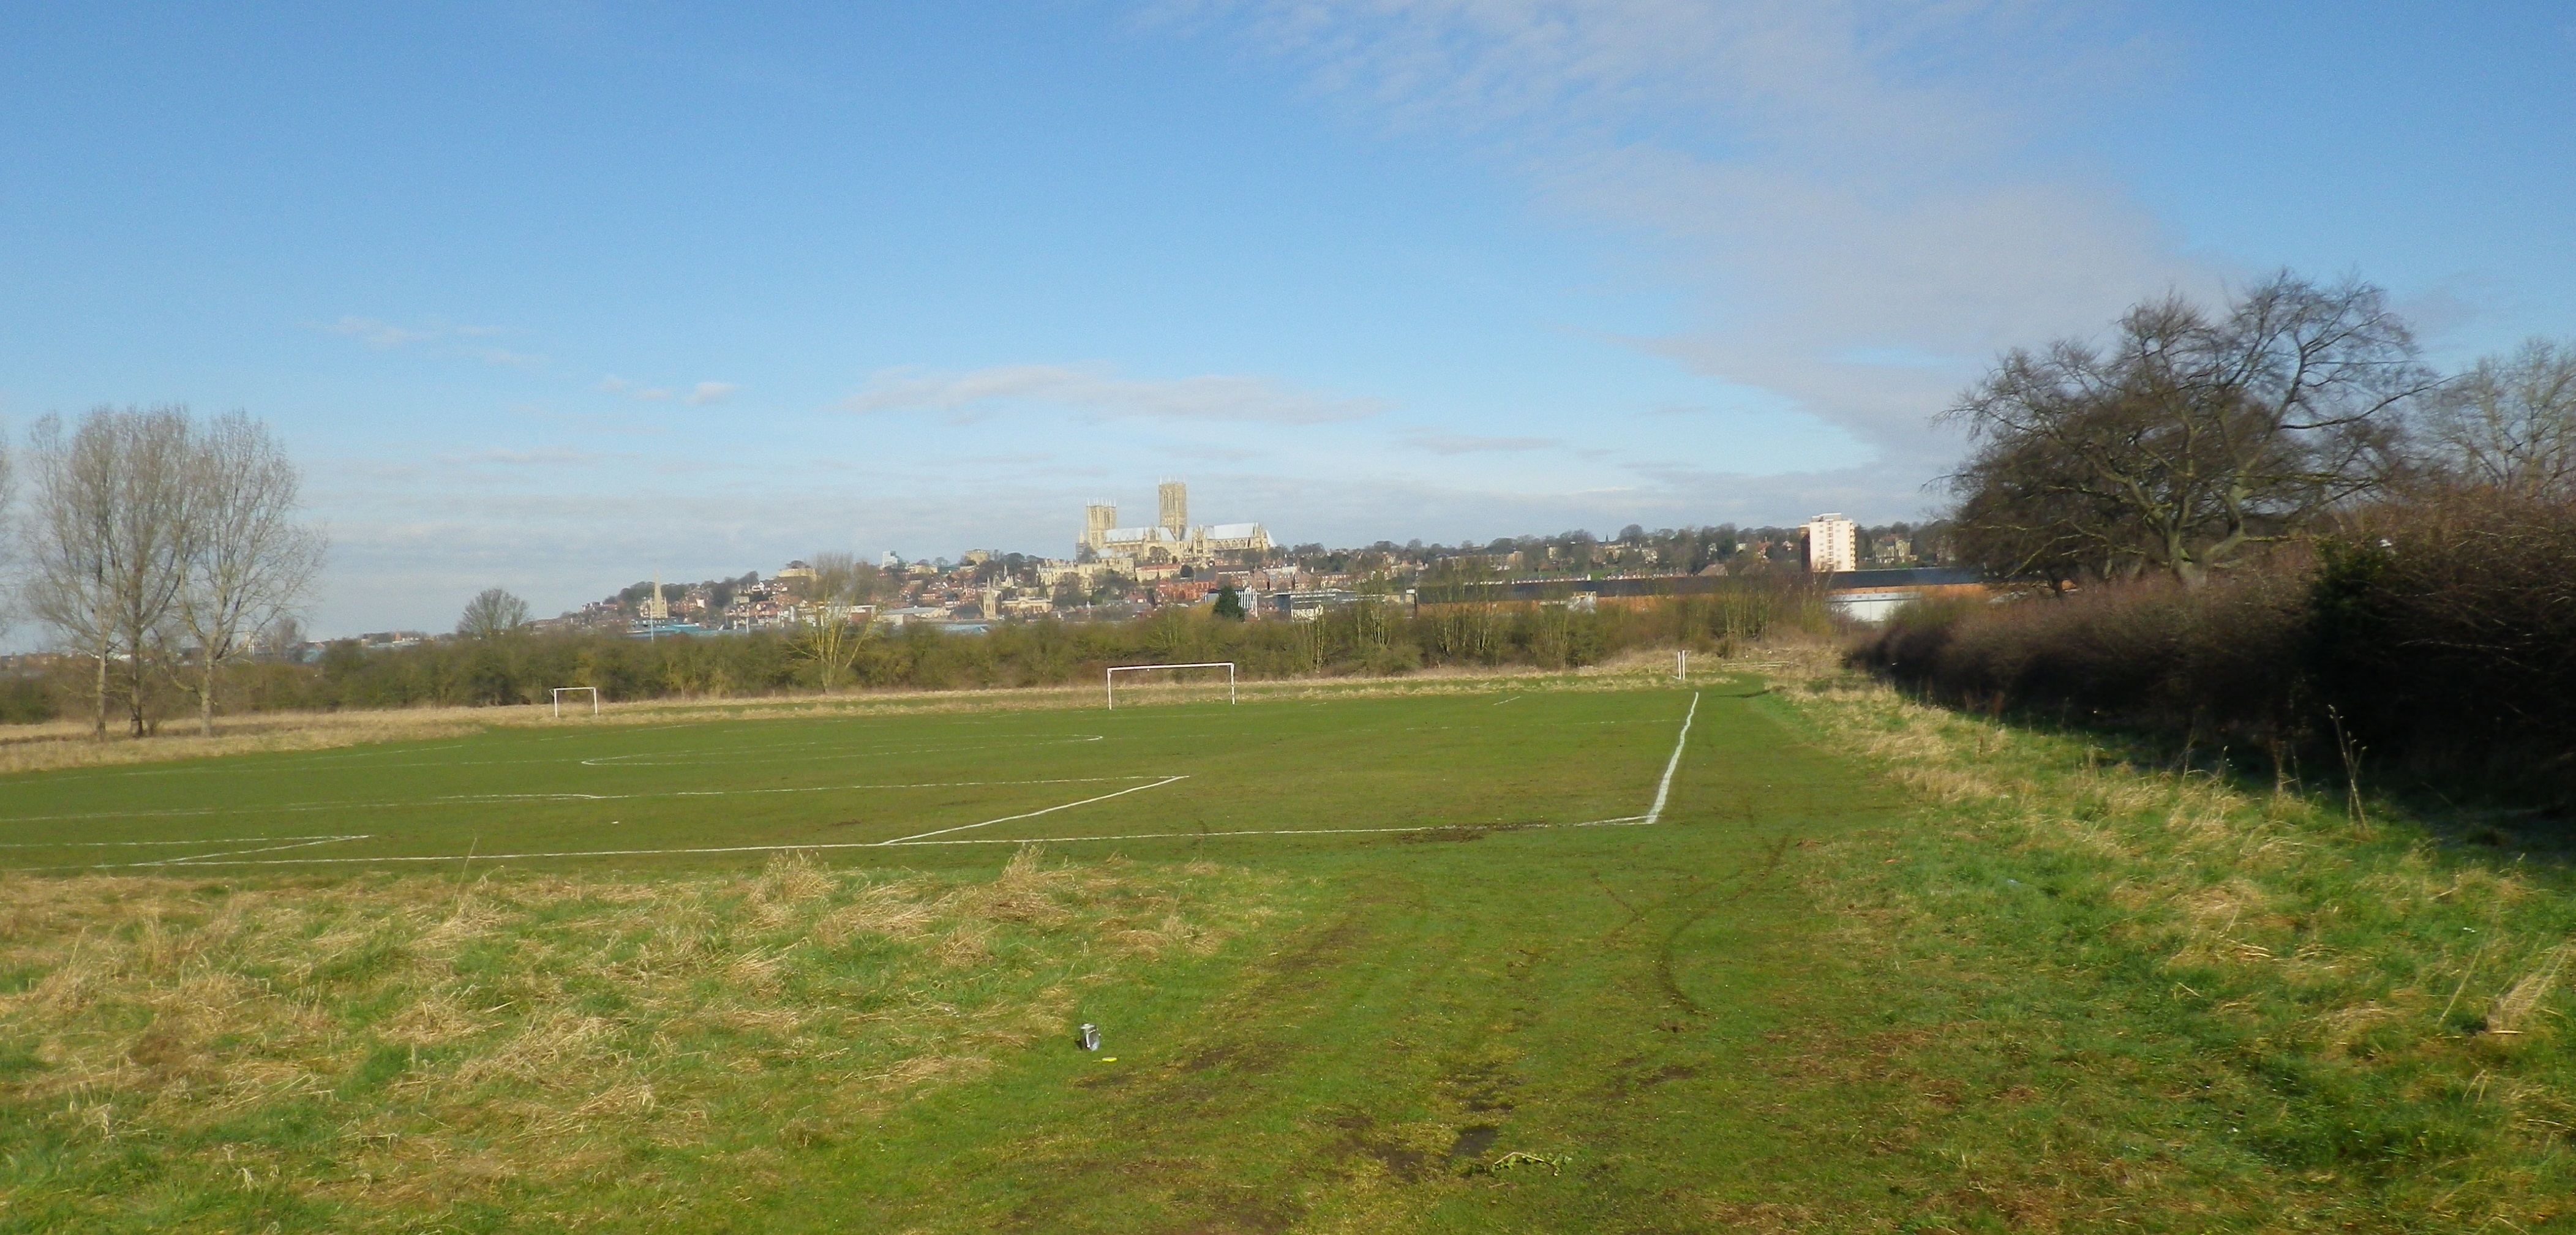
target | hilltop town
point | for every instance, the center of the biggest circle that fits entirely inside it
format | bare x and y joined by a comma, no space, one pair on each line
1116,573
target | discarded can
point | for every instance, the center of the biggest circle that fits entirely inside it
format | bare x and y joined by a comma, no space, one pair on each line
1090,1037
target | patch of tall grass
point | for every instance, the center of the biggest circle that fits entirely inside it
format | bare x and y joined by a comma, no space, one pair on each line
393,1053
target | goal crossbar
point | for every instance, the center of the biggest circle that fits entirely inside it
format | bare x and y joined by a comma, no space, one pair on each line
560,691
1109,680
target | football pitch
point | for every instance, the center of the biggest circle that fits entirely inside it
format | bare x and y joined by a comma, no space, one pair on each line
1546,954
1472,959
884,787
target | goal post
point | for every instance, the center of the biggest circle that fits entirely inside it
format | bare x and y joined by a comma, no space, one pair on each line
1109,680
561,691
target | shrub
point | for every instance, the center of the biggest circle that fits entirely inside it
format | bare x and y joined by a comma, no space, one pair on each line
2440,630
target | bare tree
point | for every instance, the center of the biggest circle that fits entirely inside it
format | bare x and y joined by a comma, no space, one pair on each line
282,636
112,540
252,562
8,511
826,635
492,614
2190,437
67,554
2510,422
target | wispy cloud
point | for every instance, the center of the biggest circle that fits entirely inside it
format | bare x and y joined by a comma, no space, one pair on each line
1097,390
1468,444
1836,182
702,393
376,334
546,457
511,359
386,336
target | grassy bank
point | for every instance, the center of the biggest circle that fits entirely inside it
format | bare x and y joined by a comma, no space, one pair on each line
2126,987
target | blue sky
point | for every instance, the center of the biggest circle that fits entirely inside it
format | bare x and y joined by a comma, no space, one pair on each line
555,295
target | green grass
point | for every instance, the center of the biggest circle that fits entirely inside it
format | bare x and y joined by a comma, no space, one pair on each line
838,784
1874,968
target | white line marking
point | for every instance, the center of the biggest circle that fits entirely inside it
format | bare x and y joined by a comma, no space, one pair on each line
227,853
720,793
687,758
1664,788
1653,816
1624,821
72,775
202,840
1035,813
452,799
223,860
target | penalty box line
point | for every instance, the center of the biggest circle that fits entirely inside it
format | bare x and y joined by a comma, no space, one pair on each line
203,840
1664,787
457,799
1653,816
227,860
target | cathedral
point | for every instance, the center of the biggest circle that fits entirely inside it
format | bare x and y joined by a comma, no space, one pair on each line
1171,541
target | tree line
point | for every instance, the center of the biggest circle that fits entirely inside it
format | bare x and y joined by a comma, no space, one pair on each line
519,665
161,549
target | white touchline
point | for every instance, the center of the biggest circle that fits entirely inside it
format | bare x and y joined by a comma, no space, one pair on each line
1664,788
232,853
121,844
688,758
1035,813
453,799
220,860
1653,815
1629,821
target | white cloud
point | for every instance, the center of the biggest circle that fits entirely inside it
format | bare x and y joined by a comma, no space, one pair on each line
703,392
1835,181
385,335
515,360
376,334
1468,444
1097,390
550,457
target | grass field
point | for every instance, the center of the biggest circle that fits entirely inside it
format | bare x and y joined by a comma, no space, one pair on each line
1377,963
716,791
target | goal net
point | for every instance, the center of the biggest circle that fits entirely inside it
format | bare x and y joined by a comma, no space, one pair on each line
561,691
1200,683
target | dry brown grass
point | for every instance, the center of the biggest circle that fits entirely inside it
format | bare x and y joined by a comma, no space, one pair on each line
62,744
2512,1012
438,1043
